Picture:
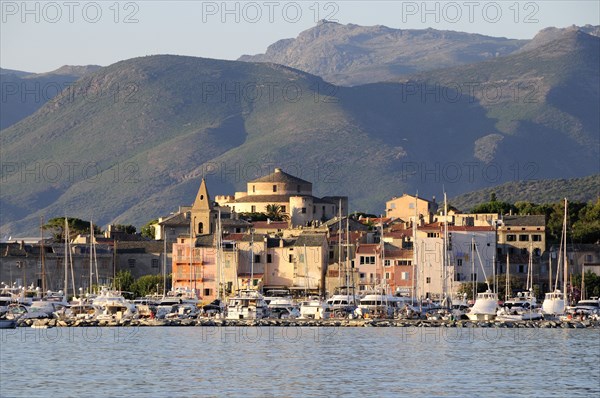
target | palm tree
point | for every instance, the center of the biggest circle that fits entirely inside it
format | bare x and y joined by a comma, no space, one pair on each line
275,213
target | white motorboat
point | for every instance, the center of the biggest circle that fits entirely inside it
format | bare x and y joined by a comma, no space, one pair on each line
47,306
315,309
485,307
342,304
554,303
113,305
247,304
379,305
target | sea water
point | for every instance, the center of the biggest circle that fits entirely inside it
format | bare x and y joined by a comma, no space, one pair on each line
299,361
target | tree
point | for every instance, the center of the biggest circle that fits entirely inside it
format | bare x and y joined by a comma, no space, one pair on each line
128,229
124,280
253,216
494,207
149,284
274,212
467,287
148,229
592,284
76,226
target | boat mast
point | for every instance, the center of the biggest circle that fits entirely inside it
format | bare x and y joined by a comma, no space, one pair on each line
307,280
91,259
445,249
348,262
251,281
415,254
340,248
507,281
43,254
66,258
473,267
565,271
164,270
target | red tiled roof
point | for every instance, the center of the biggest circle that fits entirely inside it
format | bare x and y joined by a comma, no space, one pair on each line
269,225
368,248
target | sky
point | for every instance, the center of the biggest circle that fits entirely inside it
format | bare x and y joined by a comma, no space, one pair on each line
41,36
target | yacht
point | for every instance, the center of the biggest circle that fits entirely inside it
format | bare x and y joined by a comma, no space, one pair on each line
281,304
554,303
379,306
47,306
113,305
342,305
314,309
485,307
247,304
588,306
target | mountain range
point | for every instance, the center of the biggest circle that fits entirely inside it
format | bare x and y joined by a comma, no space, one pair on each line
351,55
129,142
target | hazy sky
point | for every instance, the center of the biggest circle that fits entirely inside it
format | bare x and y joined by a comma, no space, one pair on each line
42,36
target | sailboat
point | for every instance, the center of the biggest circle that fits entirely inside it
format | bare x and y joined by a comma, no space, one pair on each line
523,306
554,302
248,303
486,303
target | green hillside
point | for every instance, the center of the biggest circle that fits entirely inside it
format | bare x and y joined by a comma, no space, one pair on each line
131,141
586,189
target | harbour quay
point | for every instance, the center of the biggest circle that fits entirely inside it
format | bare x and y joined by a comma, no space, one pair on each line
214,322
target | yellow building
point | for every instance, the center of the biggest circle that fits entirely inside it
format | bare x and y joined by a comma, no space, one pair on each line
404,208
292,194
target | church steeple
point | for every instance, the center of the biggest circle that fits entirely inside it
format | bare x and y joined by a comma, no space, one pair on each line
202,219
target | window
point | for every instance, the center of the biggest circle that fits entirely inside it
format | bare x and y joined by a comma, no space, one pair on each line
252,209
323,209
254,282
298,188
362,275
404,276
131,262
282,209
404,262
473,277
433,234
511,238
411,205
588,258
387,263
523,238
428,280
458,277
274,188
301,259
304,210
290,258
459,262
227,264
387,275
200,228
253,188
257,258
207,292
521,269
331,254
392,206
314,209
154,263
536,238
269,258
